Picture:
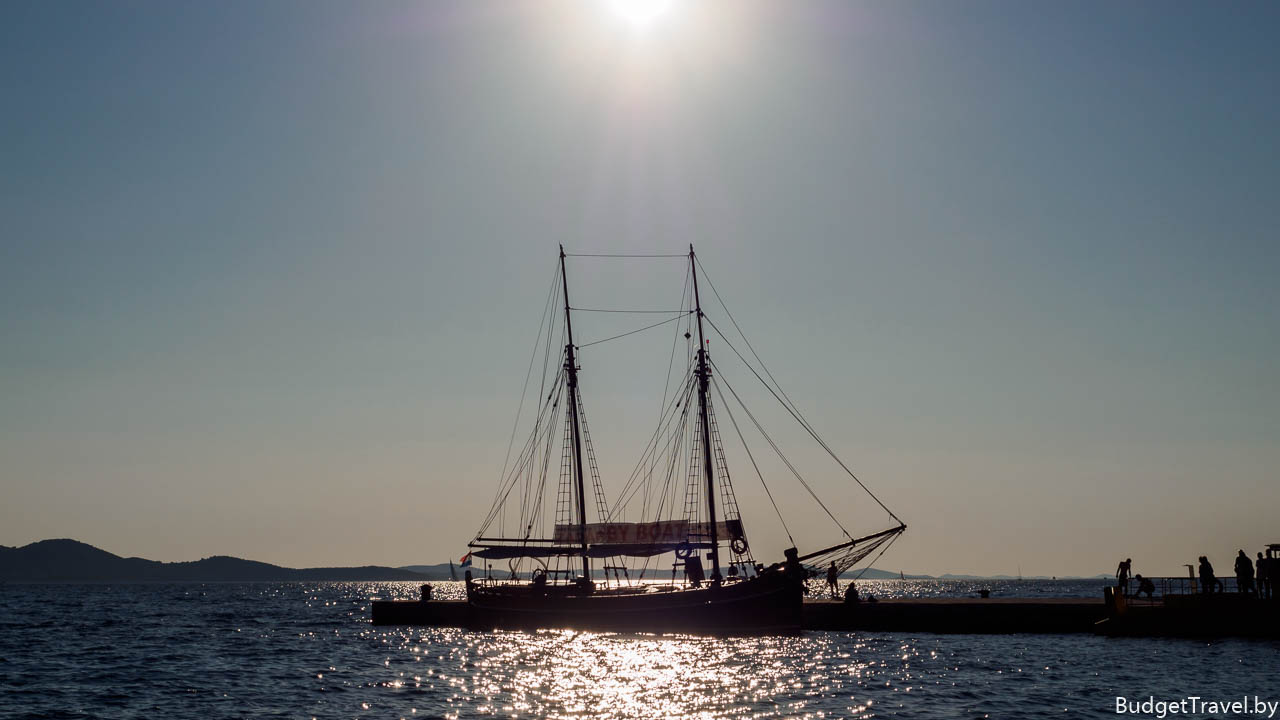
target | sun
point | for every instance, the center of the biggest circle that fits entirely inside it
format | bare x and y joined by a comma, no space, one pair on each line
640,14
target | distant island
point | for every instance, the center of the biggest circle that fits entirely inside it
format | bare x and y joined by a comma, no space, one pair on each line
74,561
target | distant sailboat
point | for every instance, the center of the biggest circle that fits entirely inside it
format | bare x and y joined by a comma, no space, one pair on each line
453,574
901,576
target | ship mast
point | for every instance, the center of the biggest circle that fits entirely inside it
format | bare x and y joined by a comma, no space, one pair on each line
572,367
704,378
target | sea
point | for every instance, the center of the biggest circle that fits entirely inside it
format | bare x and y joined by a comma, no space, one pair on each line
308,650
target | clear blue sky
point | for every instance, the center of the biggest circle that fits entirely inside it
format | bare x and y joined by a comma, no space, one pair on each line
269,271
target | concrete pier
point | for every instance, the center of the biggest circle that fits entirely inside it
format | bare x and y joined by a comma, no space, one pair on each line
1193,615
958,615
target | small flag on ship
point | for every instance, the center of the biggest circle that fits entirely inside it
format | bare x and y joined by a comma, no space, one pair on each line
465,561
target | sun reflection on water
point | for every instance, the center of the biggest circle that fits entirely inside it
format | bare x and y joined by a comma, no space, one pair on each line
565,673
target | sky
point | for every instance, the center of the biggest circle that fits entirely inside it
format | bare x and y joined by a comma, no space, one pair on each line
270,273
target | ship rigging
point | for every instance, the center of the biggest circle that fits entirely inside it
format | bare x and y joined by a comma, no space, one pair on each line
566,568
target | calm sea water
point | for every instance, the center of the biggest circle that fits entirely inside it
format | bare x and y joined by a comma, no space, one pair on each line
307,650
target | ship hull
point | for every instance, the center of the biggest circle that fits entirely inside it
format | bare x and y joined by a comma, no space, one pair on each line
771,603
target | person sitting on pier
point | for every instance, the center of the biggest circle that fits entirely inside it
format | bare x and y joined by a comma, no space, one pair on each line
1144,586
1244,573
851,594
1208,581
833,576
1264,578
1122,575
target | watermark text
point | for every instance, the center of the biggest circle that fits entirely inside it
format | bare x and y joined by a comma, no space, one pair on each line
1243,705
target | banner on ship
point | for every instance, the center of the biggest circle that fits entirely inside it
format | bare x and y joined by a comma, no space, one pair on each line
662,532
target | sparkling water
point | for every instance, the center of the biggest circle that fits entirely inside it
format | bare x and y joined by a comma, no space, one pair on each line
307,650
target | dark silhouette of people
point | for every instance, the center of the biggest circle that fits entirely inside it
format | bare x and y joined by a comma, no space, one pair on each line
693,570
1122,575
1208,581
1264,578
1144,586
1244,573
794,570
833,577
851,594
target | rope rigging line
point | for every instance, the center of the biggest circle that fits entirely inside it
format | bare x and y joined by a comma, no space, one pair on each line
666,414
625,255
633,332
780,454
743,335
634,483
789,405
526,455
534,515
515,425
666,388
675,451
715,383
803,423
628,310
883,549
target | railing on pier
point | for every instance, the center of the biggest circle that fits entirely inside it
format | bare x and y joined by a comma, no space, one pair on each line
1165,586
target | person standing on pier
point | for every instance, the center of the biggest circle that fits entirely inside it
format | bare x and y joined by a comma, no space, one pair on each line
1264,578
833,577
1244,573
1207,579
1122,575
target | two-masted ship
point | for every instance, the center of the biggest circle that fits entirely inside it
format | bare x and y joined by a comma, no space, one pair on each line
686,564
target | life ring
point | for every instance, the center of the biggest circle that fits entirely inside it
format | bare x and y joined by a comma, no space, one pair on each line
684,550
738,545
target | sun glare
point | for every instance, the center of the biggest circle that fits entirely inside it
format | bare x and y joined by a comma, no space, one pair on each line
640,14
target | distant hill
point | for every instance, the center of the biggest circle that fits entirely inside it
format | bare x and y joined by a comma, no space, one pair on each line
74,561
434,572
